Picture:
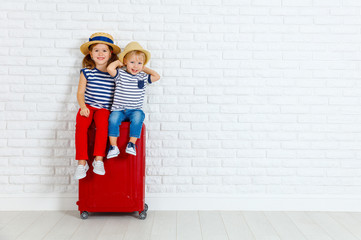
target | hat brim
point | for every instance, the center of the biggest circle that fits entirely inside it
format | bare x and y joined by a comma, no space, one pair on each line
147,54
85,47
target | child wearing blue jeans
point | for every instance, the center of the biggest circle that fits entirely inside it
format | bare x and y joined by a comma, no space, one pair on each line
130,85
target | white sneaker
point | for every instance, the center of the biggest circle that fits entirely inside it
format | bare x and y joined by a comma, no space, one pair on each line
131,149
98,167
113,152
80,171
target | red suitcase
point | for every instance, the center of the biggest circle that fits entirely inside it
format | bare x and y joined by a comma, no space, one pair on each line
122,188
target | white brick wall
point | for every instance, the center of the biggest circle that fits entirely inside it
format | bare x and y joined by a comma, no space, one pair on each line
257,97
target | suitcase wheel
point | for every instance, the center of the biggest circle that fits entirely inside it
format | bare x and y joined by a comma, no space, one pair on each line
84,215
142,215
145,207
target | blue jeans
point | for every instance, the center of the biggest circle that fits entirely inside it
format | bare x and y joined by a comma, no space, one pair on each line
135,116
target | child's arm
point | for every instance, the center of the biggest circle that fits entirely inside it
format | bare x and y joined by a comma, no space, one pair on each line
84,111
154,76
112,68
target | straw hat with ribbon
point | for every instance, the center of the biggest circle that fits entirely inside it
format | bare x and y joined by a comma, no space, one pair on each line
134,46
99,37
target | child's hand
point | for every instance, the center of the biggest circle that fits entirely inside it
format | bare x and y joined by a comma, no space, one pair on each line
84,112
112,68
154,76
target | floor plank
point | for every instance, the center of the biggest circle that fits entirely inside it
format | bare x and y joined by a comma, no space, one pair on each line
307,226
284,226
236,226
212,225
357,216
40,227
348,221
164,226
260,226
188,226
65,227
18,225
140,229
115,227
90,228
7,216
181,225
333,228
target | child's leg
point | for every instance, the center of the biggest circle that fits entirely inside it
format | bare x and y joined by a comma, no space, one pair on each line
81,136
101,122
115,119
113,140
136,118
82,162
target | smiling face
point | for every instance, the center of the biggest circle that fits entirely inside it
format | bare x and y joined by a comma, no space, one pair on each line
134,62
100,54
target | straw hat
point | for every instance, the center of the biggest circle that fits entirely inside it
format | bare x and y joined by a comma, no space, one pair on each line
134,46
99,37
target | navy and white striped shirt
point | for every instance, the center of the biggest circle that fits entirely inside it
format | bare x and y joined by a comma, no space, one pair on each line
100,87
129,90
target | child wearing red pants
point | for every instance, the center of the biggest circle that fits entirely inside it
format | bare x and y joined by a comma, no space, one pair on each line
95,97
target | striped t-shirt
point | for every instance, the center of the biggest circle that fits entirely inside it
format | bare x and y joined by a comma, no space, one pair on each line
129,90
99,90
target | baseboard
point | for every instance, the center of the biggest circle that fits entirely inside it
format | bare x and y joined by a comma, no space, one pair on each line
36,202
258,203
54,202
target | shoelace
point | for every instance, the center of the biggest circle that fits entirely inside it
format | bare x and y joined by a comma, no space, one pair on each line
132,145
99,163
82,166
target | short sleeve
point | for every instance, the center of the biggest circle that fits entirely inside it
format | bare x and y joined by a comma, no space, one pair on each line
117,76
84,72
146,78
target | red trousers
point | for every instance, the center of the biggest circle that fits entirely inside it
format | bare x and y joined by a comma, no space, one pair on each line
100,116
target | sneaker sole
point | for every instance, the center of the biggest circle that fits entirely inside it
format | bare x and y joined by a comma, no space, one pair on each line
99,173
132,153
81,177
112,156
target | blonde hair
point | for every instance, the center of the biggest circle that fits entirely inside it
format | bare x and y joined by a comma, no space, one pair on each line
88,62
136,53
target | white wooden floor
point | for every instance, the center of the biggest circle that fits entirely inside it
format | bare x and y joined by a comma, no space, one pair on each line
181,225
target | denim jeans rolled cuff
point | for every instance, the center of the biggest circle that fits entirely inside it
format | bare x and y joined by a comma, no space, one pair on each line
136,118
135,131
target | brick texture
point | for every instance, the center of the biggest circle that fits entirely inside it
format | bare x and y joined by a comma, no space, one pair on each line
256,97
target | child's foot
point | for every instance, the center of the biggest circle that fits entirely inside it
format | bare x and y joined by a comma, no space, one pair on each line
98,167
113,152
80,171
131,149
